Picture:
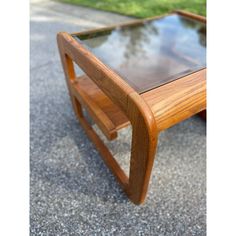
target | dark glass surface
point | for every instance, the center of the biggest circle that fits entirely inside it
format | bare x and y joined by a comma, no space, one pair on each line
151,54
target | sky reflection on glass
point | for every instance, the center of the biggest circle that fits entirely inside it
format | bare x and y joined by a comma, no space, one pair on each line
153,53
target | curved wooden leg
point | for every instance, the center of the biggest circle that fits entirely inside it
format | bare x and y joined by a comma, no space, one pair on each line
144,143
142,156
141,163
144,134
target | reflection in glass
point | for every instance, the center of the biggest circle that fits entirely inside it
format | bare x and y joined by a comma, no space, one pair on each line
153,53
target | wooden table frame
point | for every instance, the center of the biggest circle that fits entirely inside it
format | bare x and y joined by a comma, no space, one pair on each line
103,93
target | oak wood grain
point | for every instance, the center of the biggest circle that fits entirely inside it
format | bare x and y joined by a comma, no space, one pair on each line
105,113
113,104
178,100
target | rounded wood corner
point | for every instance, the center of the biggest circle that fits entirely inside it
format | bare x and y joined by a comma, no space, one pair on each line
136,104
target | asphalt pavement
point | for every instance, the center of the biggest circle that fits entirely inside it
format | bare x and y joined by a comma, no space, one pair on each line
71,190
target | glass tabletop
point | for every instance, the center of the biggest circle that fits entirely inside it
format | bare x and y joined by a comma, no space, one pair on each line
153,53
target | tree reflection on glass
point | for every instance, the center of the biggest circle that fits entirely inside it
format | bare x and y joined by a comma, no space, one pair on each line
198,26
137,39
151,53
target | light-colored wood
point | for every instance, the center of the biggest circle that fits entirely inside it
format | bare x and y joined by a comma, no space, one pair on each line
178,100
113,104
105,113
144,142
128,100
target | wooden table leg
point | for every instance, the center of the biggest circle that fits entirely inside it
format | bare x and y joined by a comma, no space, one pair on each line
144,128
143,152
144,143
141,163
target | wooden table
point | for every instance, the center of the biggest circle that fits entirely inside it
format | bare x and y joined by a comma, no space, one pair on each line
150,74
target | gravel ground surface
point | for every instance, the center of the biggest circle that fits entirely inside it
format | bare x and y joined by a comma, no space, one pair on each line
72,192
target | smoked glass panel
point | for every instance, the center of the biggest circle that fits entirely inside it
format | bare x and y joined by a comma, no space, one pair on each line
151,54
